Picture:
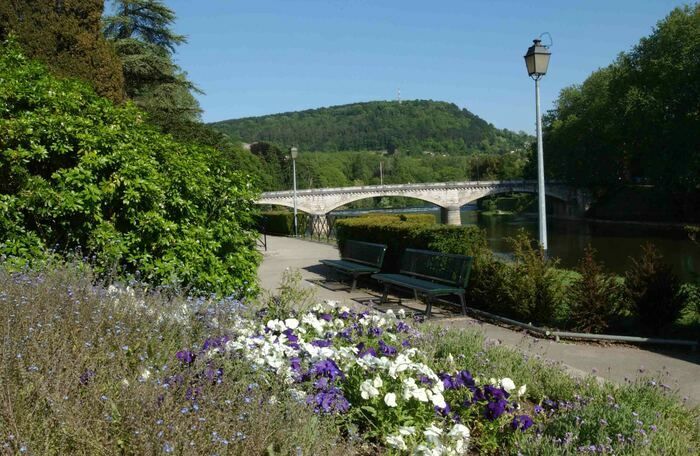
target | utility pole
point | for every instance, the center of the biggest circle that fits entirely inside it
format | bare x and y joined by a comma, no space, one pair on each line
381,173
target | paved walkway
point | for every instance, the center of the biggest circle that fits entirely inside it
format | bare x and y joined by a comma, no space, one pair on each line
680,369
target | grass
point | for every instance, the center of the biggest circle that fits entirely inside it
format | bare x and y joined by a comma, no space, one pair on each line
92,369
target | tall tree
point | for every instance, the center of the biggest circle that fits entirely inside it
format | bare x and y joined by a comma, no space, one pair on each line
142,36
66,36
636,120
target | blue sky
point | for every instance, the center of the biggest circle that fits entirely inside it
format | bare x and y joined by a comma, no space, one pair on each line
255,57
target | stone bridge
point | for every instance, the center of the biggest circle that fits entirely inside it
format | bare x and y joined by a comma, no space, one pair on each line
449,196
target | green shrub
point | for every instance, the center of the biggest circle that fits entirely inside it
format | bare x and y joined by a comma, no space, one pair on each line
596,297
78,173
278,222
416,231
653,289
533,289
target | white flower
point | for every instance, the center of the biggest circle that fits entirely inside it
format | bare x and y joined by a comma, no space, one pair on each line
433,433
367,390
421,394
377,382
507,384
438,400
396,441
401,313
390,399
522,390
291,323
459,431
407,430
145,375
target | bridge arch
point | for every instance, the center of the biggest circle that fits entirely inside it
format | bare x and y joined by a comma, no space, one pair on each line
471,197
450,196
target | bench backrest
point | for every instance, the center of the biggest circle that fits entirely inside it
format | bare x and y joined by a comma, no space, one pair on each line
364,252
448,268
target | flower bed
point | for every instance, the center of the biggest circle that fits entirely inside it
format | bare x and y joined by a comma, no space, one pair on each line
363,366
154,373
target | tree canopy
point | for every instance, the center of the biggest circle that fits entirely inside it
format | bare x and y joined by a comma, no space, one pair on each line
637,120
410,127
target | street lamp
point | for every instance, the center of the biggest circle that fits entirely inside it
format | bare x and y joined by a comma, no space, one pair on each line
537,61
295,152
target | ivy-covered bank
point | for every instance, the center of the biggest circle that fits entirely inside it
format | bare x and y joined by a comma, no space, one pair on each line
80,175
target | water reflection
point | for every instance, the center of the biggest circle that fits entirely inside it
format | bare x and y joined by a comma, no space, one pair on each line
615,243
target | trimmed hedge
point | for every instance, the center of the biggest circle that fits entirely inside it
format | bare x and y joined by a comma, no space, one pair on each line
418,231
280,222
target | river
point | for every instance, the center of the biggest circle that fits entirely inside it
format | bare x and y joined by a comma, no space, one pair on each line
614,243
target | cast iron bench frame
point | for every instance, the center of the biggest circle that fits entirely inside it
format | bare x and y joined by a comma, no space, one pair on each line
358,258
419,274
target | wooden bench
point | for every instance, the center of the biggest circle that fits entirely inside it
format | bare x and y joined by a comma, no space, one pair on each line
430,274
357,259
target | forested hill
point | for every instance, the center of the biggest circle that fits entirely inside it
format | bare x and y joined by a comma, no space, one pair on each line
409,126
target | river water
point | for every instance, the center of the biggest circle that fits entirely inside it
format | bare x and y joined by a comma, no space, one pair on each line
614,243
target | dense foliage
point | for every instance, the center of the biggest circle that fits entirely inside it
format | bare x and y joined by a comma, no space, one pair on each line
346,169
410,126
635,121
653,289
66,36
76,172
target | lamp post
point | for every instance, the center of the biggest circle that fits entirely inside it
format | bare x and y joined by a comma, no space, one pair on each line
295,152
537,61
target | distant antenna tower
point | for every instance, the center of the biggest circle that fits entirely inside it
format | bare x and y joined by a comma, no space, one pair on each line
398,96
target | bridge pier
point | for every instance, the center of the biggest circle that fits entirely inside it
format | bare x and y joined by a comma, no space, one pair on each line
451,215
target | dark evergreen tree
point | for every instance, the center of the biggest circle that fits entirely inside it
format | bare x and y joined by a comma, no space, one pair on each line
66,36
143,39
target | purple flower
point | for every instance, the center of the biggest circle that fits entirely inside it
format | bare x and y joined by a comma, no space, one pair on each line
295,364
494,409
538,409
327,368
465,379
344,315
214,374
86,376
424,379
362,352
329,401
402,327
447,381
321,343
522,422
443,411
186,357
375,332
387,350
326,316
214,342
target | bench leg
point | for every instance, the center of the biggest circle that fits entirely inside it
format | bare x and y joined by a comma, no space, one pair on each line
385,294
463,302
429,306
354,283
